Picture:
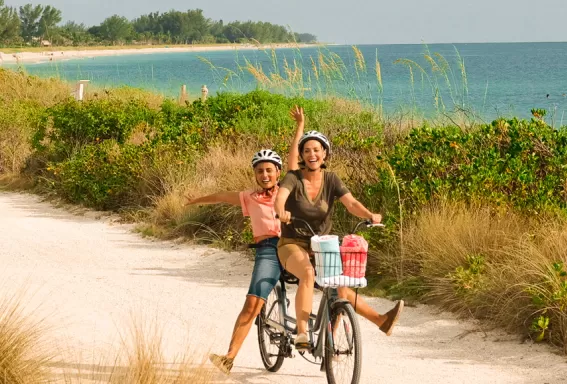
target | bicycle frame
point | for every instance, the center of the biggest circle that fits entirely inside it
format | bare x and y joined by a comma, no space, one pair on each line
318,325
321,327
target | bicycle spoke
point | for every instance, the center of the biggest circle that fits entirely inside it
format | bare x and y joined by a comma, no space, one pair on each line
344,356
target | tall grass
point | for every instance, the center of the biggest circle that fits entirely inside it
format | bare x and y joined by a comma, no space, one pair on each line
27,355
141,360
24,349
325,74
505,268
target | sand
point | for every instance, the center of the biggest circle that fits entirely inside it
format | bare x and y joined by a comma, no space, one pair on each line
55,55
89,274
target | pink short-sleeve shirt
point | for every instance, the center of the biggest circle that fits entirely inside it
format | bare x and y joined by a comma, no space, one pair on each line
260,209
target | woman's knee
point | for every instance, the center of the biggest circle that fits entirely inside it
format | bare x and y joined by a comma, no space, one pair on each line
252,308
309,274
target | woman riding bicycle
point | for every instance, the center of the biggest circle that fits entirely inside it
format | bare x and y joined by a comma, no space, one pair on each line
259,205
309,193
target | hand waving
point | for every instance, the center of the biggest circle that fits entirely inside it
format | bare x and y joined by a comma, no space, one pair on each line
297,114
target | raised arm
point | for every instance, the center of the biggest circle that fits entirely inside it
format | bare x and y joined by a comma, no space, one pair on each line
232,198
356,208
296,114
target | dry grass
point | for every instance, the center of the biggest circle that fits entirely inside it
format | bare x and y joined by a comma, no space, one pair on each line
152,99
142,359
27,355
24,351
221,168
22,99
20,87
502,267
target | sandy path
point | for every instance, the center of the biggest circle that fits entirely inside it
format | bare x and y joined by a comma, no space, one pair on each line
89,275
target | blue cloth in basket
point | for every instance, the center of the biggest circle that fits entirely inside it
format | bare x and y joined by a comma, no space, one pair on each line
327,256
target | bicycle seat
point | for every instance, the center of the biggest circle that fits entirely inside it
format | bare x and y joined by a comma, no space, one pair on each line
288,277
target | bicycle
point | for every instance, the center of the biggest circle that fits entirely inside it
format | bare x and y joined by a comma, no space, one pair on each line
277,329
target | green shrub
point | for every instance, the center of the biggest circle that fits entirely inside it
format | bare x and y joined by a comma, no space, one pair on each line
69,126
514,164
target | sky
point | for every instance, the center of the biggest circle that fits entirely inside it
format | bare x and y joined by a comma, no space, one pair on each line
359,21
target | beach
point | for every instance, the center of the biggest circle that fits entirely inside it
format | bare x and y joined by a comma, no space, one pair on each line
54,54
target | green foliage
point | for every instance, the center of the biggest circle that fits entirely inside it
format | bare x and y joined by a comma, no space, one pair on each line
549,296
508,163
116,28
538,113
29,18
469,279
99,175
9,24
84,141
111,176
540,325
172,27
69,126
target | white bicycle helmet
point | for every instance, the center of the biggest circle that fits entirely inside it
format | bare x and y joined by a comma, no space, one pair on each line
267,155
314,135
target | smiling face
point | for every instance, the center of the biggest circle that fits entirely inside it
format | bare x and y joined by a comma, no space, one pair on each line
267,174
313,154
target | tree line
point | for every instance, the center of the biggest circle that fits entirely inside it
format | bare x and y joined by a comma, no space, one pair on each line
35,25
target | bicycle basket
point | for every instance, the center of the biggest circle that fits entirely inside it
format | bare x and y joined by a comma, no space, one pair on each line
340,269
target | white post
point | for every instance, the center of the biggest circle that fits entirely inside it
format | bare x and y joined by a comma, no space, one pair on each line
204,93
183,96
80,90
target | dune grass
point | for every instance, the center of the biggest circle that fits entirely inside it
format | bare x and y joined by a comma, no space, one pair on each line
504,268
24,348
27,355
141,359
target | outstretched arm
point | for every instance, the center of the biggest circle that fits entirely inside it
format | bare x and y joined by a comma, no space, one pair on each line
296,114
356,208
232,198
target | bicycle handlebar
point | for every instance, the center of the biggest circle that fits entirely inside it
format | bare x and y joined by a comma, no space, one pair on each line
367,223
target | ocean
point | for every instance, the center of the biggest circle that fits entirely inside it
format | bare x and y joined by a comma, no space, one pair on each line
488,80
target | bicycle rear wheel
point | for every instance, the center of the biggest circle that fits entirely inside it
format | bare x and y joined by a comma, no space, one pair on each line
271,340
343,349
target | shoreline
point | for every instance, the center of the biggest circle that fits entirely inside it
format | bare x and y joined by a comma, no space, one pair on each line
64,55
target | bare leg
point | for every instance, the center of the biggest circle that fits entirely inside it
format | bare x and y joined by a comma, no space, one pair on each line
252,307
362,307
299,265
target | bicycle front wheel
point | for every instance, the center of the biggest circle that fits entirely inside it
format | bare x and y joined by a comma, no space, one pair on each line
343,350
270,340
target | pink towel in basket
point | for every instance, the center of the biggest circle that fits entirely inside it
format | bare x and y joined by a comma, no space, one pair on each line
354,254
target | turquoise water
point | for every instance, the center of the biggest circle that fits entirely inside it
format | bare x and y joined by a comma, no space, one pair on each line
501,79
